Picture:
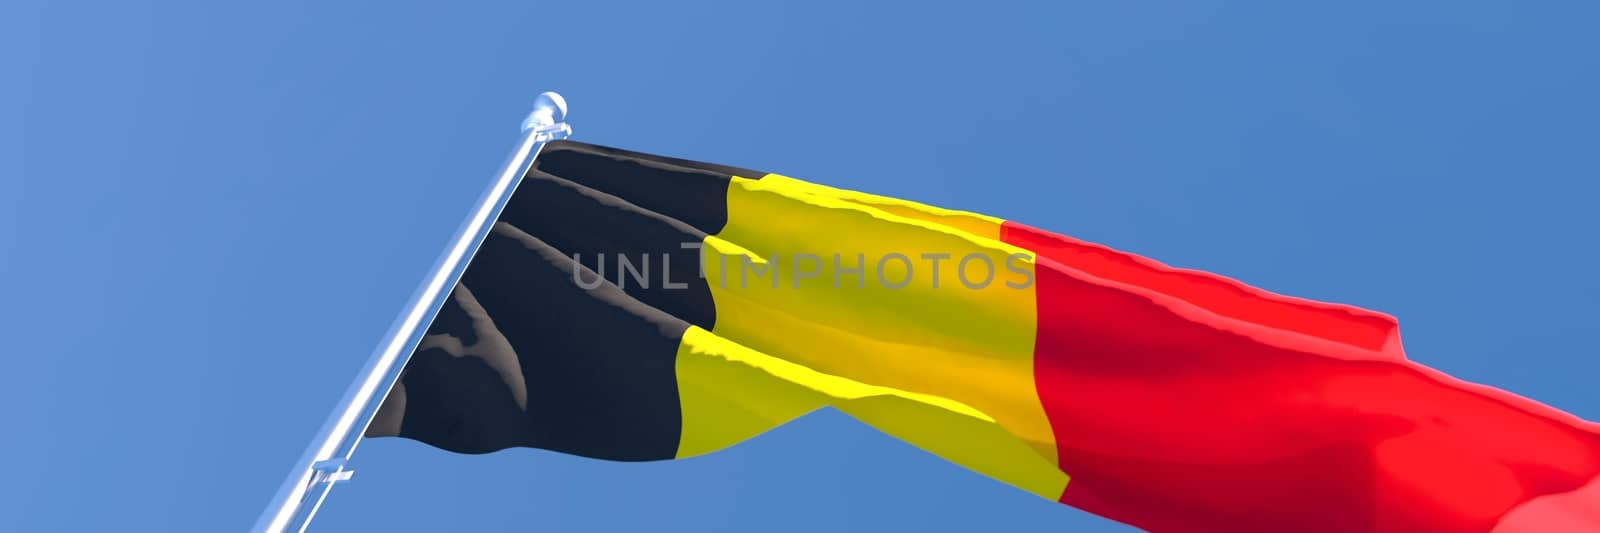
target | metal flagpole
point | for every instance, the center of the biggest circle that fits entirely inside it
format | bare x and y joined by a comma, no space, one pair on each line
325,461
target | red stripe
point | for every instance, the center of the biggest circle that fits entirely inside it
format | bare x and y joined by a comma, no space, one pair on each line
1578,510
1224,296
1173,417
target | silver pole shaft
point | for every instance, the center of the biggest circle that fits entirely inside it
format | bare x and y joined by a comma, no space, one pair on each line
324,462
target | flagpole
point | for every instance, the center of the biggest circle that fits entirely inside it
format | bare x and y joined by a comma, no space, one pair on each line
325,462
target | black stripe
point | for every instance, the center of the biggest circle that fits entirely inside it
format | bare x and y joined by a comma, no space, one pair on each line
522,356
618,153
693,192
598,365
604,230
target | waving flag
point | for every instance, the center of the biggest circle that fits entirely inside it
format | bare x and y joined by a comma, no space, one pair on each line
634,307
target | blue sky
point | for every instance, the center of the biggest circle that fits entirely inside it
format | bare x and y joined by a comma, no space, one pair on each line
210,214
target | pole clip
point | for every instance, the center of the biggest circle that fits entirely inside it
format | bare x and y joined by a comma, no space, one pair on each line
330,471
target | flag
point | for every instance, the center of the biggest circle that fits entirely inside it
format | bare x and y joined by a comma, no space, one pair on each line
633,307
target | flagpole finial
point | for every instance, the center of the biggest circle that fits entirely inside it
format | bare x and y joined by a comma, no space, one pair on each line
549,109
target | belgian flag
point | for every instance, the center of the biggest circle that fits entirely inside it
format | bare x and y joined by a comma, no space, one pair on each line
634,307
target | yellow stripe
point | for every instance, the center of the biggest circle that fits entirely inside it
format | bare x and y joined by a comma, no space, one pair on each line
730,393
977,224
933,336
